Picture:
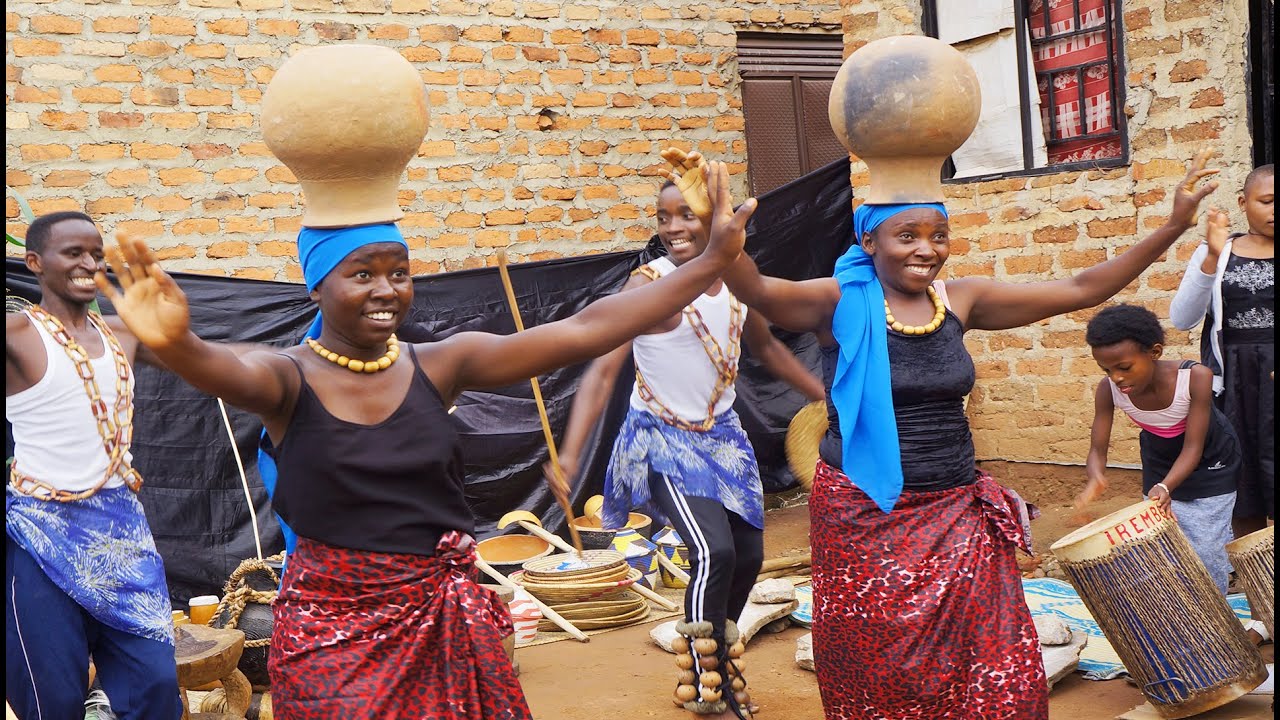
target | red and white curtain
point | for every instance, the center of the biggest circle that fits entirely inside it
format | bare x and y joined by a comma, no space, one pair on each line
1070,118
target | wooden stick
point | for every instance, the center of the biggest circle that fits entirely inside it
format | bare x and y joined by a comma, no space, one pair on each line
552,538
651,596
782,562
547,612
561,497
785,572
673,568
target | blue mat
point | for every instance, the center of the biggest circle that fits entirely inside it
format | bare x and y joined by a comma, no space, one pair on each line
1057,598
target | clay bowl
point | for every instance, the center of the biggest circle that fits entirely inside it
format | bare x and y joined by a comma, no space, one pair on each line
507,553
600,538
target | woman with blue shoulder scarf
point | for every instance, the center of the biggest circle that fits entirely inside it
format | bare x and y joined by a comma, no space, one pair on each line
377,616
918,605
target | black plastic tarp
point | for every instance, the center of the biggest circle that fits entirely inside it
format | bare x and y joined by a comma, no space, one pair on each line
193,493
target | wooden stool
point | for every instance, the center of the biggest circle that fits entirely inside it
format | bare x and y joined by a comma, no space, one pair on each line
206,654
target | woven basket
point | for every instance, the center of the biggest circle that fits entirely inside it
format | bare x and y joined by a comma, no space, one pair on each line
803,437
639,522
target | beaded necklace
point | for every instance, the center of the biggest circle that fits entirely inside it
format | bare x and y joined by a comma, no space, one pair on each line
725,361
360,366
115,427
939,314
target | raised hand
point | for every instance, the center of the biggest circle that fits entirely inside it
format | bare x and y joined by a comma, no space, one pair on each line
1216,231
562,481
1186,199
689,174
728,228
151,304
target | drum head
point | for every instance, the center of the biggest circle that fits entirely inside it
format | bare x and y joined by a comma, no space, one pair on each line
1099,537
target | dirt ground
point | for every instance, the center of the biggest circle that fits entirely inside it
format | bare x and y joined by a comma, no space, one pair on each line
623,675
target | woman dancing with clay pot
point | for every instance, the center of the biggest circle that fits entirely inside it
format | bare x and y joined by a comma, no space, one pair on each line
377,617
918,604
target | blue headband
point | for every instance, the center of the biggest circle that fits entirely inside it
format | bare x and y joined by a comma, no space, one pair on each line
319,252
861,389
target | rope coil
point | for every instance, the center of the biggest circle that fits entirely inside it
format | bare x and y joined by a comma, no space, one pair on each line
236,594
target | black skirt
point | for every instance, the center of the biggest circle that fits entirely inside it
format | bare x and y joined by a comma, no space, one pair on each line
1248,399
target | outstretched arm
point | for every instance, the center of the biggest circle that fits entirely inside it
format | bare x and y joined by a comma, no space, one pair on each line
778,359
804,306
985,304
1095,466
481,360
154,309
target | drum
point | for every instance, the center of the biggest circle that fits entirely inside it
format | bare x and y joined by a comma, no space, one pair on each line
246,606
1155,602
1254,558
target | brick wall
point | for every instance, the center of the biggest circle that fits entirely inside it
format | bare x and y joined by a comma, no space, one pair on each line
1185,62
145,114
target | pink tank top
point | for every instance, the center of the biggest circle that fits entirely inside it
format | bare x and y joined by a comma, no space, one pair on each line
1167,423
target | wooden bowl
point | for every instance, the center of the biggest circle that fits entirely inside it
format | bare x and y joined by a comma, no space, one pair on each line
508,553
639,522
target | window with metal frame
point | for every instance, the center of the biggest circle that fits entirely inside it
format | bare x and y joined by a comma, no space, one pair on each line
786,79
1069,53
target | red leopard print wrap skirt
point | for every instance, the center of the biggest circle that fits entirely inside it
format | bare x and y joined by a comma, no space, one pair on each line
384,636
919,614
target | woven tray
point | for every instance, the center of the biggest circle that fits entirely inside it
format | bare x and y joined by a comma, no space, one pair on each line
556,593
623,617
597,609
804,434
599,562
613,573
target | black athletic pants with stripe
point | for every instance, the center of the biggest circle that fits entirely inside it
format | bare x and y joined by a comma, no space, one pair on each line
725,553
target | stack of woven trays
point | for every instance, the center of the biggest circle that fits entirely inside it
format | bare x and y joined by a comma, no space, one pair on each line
590,592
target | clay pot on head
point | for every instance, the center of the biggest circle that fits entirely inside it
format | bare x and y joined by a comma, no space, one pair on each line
346,120
903,105
506,553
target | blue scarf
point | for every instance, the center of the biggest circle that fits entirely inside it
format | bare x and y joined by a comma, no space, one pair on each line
319,252
862,390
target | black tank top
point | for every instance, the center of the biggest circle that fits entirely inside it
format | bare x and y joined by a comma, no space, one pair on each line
396,486
930,374
1249,301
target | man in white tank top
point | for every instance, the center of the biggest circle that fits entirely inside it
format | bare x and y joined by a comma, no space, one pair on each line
83,576
682,451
